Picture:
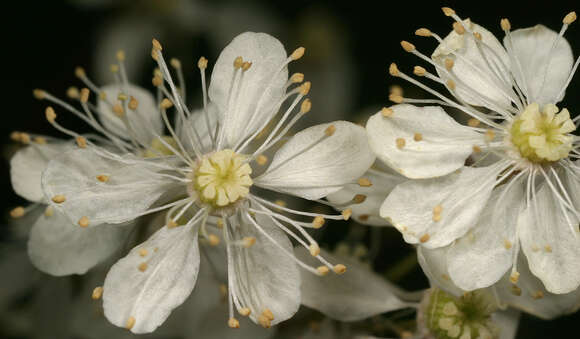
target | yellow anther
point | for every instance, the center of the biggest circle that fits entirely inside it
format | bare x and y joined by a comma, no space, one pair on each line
248,241
264,321
49,211
396,89
50,114
514,277
548,249
143,252
114,68
83,222
329,131
489,135
175,63
387,112
261,159
298,53
72,92
97,293
297,78
81,142
364,182
142,267
424,238
268,314
473,122
400,142
477,35
346,214
318,221
17,212
202,63
39,94
436,217
84,95
213,239
25,138
120,55
449,64
133,104
476,149
233,323
314,249
451,84
59,198
157,81
395,98
171,223
505,24
447,11
244,311
537,295
507,244
156,45
339,268
322,270
238,62
305,88
359,198
246,66
393,69
280,203
417,136
118,110
437,209
407,46
305,106
80,72
420,71
569,18
15,136
423,32
122,97
166,103
458,28
130,323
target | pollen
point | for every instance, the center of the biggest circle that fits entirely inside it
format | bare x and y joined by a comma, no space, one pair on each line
97,293
130,323
424,238
473,122
339,269
387,112
142,267
50,114
72,92
264,321
364,182
268,314
261,159
507,244
102,178
233,323
39,94
202,63
81,142
359,198
143,252
418,137
476,149
537,295
298,53
346,214
449,64
306,106
318,221
489,135
244,311
395,98
322,270
505,24
305,88
423,32
458,28
514,277
407,46
213,239
548,249
448,11
297,78
569,18
400,142
59,198
329,131
420,71
83,222
393,69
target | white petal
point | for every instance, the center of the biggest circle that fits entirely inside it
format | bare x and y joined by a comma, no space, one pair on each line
198,122
462,196
532,47
382,184
507,322
149,293
434,265
357,294
311,169
145,122
59,248
262,87
265,277
443,147
550,243
483,255
534,298
26,168
473,69
132,188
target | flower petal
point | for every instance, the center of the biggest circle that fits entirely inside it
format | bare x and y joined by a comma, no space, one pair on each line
145,122
26,168
59,248
420,142
153,279
533,49
507,322
355,295
551,242
312,165
198,121
437,211
263,276
473,68
483,255
132,186
434,265
262,85
367,212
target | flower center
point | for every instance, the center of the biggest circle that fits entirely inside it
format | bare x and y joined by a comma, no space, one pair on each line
222,178
543,136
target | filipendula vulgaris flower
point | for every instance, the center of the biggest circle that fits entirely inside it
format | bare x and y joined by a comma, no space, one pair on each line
209,180
521,194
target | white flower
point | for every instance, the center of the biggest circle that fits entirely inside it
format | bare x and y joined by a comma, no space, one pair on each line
210,179
522,193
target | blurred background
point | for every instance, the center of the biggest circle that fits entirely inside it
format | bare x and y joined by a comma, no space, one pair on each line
349,46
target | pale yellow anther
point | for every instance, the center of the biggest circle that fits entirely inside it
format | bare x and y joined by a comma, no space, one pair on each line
297,78
424,238
81,142
476,149
458,28
202,63
514,277
102,95
318,221
268,314
166,103
248,242
233,323
395,98
339,268
80,72
423,32
143,252
363,217
118,109
213,239
15,136
120,55
130,323
156,45
238,62
515,290
223,290
280,203
489,135
346,214
142,267
420,71
437,209
548,249
305,88
39,94
507,244
447,11
264,321
25,138
537,295
569,18
171,223
396,89
157,81
244,311
451,84
59,199
97,293
49,211
400,142
84,95
298,53
306,106
72,92
17,212
83,222
505,24
246,66
175,63
322,270
407,46
329,131
50,114
394,71
417,136
364,182
133,104
261,160
387,112
477,35
473,122
114,68
449,64
122,97
359,198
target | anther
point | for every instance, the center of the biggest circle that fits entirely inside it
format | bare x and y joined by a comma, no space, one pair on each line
72,92
114,68
314,249
143,252
39,94
305,88
473,122
424,238
359,198
437,209
25,138
238,62
458,28
122,97
84,222
171,224
81,142
423,32
514,277
220,223
175,63
261,159
418,137
339,268
318,221
50,114
548,249
346,214
507,244
264,321
130,323
489,135
157,81
15,136
305,106
244,311
214,240
363,217
407,46
156,45
118,109
395,98
364,182
202,63
49,211
233,323
329,131
420,71
447,11
449,64
280,203
476,149
537,295
142,267
451,84
133,104
120,55
393,69
17,212
516,290
569,18
387,112
80,72
322,270
298,53
297,78
59,198
84,95
505,24
248,241
97,293
477,35
246,66
268,314
400,142
166,103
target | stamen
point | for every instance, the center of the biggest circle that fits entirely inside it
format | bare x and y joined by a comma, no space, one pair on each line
83,222
17,212
97,293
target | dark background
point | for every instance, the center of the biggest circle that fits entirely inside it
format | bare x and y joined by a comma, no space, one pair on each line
42,42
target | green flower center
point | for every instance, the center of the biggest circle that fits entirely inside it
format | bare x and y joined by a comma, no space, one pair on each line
542,136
